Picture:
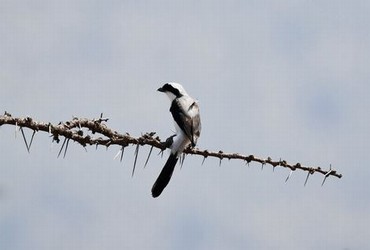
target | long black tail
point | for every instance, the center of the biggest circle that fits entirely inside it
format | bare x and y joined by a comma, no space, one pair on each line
165,176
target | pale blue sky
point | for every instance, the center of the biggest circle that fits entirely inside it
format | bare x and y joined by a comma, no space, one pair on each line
286,79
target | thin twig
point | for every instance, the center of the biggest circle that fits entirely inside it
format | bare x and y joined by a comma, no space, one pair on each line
71,130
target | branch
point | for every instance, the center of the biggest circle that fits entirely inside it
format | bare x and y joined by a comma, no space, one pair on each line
73,130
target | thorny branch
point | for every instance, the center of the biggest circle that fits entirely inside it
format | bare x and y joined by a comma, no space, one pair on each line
73,130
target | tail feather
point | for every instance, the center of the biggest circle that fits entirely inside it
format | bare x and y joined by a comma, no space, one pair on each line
165,175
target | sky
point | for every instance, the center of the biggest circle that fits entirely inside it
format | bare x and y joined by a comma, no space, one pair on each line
285,79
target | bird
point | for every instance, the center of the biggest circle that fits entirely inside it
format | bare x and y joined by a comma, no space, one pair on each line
185,112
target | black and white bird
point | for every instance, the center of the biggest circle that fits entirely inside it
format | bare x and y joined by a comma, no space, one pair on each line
185,112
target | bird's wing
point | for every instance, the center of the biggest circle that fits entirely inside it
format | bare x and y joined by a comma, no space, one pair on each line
187,118
195,122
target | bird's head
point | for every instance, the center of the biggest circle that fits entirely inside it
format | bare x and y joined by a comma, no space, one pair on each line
173,90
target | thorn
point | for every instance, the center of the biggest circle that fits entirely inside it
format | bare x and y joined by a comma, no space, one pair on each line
118,153
25,140
16,127
204,158
147,159
65,150
33,134
61,148
219,164
161,153
179,161
122,152
291,171
323,181
182,160
326,176
308,175
136,154
263,163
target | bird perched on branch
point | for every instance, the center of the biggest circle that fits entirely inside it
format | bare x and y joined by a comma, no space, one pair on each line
185,112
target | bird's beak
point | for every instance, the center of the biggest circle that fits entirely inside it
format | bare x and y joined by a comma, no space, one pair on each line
160,90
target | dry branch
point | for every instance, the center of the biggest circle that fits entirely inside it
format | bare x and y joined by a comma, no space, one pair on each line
73,130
